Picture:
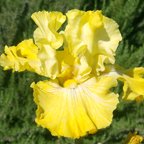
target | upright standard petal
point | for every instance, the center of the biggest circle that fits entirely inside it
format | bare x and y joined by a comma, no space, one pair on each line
48,25
48,39
75,109
133,84
99,34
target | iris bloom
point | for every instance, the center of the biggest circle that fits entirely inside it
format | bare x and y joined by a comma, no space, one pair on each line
76,99
133,88
133,138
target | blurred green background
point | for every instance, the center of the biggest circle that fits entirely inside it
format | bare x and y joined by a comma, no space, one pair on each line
17,109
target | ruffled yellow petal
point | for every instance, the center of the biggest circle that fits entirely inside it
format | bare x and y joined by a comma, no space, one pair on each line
21,57
48,39
76,109
48,24
96,33
27,56
134,84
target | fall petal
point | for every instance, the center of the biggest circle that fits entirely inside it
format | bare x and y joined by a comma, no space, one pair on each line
75,112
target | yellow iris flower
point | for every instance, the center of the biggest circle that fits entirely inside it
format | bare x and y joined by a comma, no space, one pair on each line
133,138
133,88
77,98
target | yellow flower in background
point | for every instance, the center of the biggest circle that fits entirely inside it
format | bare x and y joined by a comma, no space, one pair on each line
133,138
133,88
76,99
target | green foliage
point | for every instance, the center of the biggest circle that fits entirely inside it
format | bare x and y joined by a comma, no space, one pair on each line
17,109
